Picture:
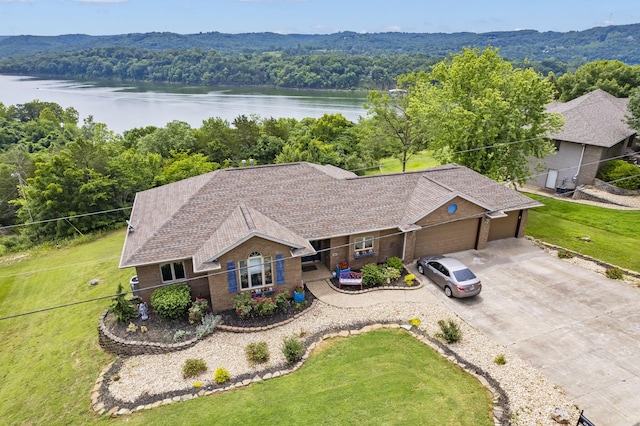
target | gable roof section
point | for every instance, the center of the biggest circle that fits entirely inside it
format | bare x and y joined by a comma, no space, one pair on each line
204,217
241,225
596,118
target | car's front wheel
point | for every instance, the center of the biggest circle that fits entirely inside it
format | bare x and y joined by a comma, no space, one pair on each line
421,269
447,291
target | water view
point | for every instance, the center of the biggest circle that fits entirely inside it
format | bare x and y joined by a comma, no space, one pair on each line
126,106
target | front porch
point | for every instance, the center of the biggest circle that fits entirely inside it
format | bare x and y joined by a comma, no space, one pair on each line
315,271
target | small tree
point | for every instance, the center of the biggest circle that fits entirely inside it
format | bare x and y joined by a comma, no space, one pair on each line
122,309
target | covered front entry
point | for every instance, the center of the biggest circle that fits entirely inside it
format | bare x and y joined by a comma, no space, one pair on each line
447,238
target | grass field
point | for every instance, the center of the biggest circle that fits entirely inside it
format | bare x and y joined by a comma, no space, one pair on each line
50,360
420,161
613,234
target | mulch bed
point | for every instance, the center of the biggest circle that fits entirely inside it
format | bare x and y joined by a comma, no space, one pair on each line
161,330
397,283
231,319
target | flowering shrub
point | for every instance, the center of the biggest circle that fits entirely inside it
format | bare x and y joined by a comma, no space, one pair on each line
247,306
243,305
390,273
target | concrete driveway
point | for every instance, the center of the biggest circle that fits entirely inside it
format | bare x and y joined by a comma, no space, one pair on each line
577,327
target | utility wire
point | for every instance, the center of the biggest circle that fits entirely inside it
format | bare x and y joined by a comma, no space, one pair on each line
540,174
512,207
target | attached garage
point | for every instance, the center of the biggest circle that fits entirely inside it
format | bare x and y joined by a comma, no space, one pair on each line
447,238
505,227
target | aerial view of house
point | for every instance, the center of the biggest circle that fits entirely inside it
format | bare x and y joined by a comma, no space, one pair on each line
253,228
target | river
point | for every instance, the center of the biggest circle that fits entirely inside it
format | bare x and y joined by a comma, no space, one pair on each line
126,106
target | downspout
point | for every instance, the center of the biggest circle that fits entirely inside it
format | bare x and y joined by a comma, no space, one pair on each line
404,246
575,177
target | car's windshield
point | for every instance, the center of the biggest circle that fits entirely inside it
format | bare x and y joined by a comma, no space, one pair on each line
464,275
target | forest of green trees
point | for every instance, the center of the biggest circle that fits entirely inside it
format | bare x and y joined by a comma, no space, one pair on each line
56,172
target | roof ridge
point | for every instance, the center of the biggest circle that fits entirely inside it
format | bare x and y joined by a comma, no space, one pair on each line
246,214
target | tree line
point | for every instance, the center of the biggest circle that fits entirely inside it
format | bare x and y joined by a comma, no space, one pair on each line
607,42
212,68
473,108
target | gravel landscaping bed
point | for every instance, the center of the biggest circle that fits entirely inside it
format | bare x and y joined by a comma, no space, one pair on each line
141,379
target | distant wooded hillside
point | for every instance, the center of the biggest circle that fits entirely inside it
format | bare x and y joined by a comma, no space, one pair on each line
612,42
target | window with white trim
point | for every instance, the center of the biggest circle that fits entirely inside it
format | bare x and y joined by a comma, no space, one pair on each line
173,271
256,271
363,245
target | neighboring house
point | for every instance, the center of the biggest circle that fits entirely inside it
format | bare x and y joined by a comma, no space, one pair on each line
253,228
594,131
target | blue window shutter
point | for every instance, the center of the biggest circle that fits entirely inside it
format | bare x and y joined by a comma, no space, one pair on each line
231,275
279,269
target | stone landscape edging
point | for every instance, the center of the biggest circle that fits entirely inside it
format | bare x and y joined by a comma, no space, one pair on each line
501,411
372,289
542,244
119,346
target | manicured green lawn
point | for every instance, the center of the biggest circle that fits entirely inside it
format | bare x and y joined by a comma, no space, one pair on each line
420,161
50,360
614,234
377,378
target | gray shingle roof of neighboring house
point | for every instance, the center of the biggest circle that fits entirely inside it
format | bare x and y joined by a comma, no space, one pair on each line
596,118
205,216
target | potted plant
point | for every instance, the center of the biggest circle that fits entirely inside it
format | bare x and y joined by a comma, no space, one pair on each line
298,294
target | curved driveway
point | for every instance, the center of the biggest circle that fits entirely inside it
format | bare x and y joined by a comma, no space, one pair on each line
577,327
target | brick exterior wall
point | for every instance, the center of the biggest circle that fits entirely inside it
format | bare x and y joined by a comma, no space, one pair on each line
466,209
149,276
218,282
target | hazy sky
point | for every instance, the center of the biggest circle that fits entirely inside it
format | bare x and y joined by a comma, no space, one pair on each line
103,17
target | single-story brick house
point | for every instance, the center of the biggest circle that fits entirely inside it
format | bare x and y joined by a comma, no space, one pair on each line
253,228
594,131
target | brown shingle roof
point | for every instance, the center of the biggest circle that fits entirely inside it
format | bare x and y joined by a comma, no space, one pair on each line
596,118
202,217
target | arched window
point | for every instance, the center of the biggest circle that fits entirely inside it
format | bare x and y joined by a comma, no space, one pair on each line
256,271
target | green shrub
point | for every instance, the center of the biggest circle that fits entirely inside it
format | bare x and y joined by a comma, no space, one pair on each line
179,335
450,331
614,273
565,254
293,349
500,360
197,310
193,367
122,309
281,298
371,275
208,324
243,305
620,173
264,306
409,279
221,375
390,273
257,352
396,263
172,301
